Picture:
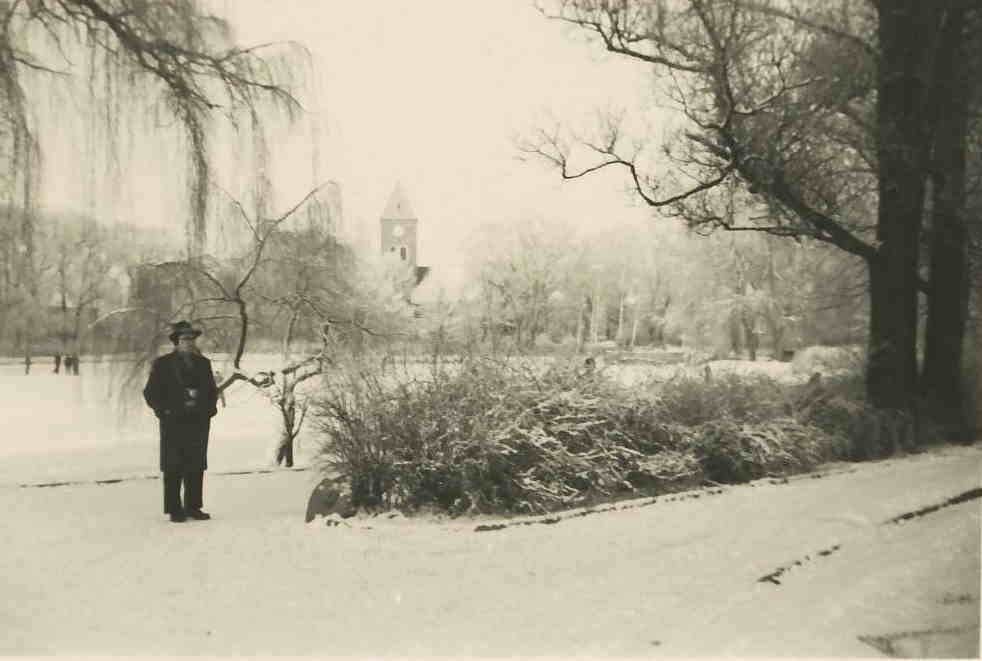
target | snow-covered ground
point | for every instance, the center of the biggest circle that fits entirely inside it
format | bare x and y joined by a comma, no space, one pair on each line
631,374
89,569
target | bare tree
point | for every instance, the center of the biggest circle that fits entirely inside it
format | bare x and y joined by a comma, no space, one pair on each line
233,290
814,110
220,294
957,69
298,284
307,284
81,263
519,279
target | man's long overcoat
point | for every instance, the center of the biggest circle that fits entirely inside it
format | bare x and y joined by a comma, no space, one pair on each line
183,430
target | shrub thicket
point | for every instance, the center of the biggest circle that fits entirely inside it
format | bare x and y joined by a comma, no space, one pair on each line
733,452
493,436
838,407
489,436
742,398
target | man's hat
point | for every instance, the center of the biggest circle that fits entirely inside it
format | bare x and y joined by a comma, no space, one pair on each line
183,328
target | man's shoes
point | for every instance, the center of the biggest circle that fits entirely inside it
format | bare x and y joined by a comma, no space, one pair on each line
177,517
198,515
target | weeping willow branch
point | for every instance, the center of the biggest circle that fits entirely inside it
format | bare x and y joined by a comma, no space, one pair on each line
174,50
19,149
183,69
199,176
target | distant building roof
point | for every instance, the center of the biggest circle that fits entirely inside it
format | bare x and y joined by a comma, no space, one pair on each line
398,207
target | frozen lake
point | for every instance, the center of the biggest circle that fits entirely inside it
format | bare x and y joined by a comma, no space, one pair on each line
86,427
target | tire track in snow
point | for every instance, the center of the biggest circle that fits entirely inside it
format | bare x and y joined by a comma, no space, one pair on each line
971,494
963,497
137,478
715,488
556,518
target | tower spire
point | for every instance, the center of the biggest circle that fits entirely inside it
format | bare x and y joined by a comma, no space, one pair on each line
398,207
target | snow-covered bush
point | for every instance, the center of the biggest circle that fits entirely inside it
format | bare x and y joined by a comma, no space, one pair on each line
732,452
691,401
827,360
491,436
495,436
838,407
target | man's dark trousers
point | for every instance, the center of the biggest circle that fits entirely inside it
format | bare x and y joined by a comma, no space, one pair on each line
193,482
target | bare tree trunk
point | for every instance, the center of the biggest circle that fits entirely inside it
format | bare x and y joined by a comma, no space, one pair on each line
595,324
284,456
580,312
620,320
287,405
63,326
288,411
288,335
941,378
773,314
591,334
906,34
243,333
736,344
891,371
750,334
661,320
619,336
76,335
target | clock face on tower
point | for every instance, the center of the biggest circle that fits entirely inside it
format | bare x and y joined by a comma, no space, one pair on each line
397,230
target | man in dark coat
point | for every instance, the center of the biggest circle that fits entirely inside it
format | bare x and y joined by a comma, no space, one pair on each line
181,391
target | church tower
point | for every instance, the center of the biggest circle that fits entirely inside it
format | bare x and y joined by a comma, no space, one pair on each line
398,228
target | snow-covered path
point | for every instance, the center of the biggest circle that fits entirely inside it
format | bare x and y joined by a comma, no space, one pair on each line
93,570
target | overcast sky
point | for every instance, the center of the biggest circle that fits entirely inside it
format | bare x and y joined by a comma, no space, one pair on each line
430,93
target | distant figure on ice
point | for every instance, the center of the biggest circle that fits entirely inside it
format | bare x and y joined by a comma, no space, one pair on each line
27,363
73,368
181,391
57,363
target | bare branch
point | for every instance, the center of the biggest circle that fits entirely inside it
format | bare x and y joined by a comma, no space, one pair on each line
868,48
271,226
195,268
118,312
25,60
242,212
618,38
308,375
260,380
294,367
560,159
